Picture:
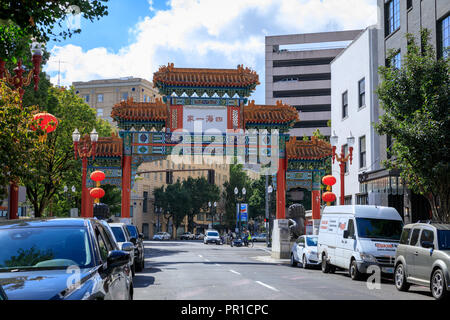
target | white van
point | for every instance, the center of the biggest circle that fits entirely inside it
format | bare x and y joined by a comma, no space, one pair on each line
355,237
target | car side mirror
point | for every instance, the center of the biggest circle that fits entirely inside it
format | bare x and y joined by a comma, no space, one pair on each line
127,246
428,244
141,235
117,258
133,240
345,235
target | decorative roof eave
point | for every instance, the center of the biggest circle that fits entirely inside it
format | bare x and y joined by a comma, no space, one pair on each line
169,79
108,147
143,113
271,115
311,150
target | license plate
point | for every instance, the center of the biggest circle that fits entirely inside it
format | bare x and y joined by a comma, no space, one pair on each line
387,270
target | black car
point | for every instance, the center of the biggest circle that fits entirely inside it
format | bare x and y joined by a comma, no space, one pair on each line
62,259
138,241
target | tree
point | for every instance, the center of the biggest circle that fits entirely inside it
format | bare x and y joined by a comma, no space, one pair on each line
415,99
16,140
200,192
178,199
52,164
38,18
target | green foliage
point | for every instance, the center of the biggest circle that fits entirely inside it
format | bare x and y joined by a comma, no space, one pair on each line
113,198
38,18
16,140
52,165
27,258
186,198
415,99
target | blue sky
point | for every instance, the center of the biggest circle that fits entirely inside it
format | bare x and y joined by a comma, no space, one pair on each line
138,36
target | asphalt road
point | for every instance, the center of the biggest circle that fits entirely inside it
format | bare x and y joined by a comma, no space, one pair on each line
191,270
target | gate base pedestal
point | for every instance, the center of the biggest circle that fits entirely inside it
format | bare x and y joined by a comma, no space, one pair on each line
281,246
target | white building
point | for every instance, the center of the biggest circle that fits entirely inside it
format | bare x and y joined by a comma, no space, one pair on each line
354,107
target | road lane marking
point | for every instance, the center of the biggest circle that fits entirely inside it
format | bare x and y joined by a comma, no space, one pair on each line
207,260
267,286
218,265
200,256
234,272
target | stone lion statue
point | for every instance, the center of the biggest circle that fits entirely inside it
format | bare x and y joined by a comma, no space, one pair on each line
296,220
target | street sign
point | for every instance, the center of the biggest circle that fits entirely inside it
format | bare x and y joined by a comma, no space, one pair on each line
244,212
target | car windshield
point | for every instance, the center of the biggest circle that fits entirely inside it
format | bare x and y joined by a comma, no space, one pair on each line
213,234
118,234
444,239
132,231
379,228
44,248
311,241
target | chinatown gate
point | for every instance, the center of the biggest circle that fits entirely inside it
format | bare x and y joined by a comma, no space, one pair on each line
205,113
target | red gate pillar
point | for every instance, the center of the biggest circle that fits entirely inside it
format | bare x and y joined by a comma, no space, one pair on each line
281,188
84,190
126,186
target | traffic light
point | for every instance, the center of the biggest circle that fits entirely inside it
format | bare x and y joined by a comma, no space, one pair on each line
266,220
169,177
211,176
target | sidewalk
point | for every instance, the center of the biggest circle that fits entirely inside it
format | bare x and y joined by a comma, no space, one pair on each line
268,258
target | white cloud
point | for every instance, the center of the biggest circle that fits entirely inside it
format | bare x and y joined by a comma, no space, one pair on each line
209,33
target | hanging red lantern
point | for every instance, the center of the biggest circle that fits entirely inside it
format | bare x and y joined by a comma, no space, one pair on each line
97,193
46,122
98,176
328,197
329,180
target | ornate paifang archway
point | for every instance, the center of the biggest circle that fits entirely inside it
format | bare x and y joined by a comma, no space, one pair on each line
214,98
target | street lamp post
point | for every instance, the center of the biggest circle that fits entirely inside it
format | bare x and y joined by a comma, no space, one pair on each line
211,206
239,199
85,151
18,81
342,158
269,190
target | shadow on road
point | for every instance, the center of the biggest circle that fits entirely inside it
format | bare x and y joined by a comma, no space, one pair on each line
142,281
153,252
164,263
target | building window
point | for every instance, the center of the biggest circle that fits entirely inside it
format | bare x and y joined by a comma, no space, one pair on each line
86,98
362,199
408,4
344,105
347,200
362,152
392,16
99,112
362,93
145,202
397,61
100,98
124,96
444,38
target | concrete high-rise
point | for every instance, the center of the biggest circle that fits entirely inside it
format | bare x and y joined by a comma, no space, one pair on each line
298,73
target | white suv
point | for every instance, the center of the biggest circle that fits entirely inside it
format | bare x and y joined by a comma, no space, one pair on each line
212,236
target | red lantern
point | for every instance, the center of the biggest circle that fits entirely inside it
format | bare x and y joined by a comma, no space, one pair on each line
329,180
97,193
46,122
328,197
98,176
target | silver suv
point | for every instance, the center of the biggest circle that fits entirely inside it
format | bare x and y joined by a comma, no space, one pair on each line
423,258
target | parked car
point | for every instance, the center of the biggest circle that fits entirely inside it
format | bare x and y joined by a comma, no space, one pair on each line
123,237
139,259
212,236
3,295
161,236
187,236
304,250
355,237
423,258
262,237
199,236
62,259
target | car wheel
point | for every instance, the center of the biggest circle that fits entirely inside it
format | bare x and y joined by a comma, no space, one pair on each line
354,272
438,286
400,278
304,262
325,265
293,262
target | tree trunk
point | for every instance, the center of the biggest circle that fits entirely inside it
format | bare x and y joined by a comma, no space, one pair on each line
439,207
